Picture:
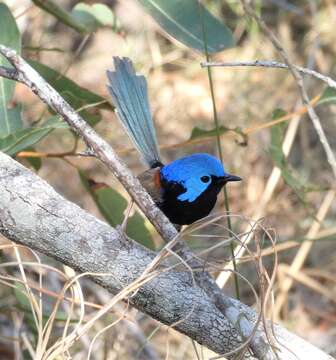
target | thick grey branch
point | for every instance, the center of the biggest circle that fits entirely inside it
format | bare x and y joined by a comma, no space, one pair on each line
33,214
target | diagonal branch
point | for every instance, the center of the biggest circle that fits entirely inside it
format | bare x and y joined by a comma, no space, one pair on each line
101,149
33,214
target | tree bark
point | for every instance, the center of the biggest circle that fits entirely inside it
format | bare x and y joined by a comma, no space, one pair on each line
33,214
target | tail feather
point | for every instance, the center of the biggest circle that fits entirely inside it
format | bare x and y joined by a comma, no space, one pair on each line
130,97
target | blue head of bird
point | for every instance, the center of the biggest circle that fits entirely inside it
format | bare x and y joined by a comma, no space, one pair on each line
191,185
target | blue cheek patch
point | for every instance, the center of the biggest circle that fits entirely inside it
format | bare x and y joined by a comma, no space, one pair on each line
194,188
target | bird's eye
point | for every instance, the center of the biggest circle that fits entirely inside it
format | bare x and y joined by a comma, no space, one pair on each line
205,179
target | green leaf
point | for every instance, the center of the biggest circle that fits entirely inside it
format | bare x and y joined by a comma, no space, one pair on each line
277,155
24,138
91,116
200,133
68,88
35,162
137,230
77,96
41,49
13,122
83,18
112,206
181,20
9,36
64,16
328,96
21,296
277,135
94,16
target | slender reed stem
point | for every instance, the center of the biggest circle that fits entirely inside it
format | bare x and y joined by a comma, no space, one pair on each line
218,140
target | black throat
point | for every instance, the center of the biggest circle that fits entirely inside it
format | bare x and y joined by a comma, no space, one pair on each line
185,212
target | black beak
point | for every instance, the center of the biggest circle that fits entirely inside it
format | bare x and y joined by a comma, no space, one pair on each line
228,177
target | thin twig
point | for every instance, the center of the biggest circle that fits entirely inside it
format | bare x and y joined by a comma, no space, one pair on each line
298,79
272,64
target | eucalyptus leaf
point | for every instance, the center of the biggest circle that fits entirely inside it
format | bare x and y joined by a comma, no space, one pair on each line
68,88
77,96
24,138
61,14
200,133
35,162
13,123
83,18
112,206
328,96
137,230
94,16
42,49
182,20
9,36
299,186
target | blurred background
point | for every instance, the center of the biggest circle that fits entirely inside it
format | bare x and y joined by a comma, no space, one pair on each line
294,196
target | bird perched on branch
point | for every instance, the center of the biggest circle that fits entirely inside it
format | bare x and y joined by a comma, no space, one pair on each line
186,189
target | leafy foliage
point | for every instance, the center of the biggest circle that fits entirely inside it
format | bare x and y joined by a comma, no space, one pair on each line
300,186
328,96
77,96
14,137
95,16
182,19
200,133
24,138
83,18
9,36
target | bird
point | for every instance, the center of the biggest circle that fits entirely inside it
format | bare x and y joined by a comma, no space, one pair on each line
185,189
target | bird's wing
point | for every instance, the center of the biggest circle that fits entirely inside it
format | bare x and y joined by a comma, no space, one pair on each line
150,180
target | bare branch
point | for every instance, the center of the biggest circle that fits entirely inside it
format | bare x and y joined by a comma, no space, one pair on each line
272,64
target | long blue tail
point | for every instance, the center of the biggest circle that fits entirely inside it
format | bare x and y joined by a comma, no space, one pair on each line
130,97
